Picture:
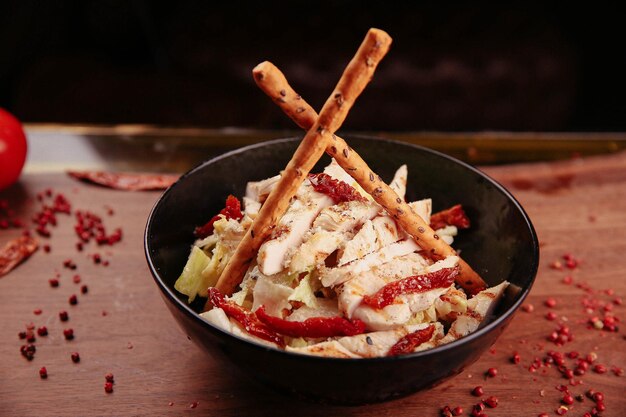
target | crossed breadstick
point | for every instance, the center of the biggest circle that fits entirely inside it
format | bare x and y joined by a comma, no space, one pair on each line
320,132
320,138
272,81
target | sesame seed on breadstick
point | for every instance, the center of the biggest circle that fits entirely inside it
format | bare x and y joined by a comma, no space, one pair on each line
356,76
272,81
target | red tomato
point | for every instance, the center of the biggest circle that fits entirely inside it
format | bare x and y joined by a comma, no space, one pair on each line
12,149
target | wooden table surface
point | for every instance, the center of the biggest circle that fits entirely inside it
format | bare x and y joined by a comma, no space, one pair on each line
577,207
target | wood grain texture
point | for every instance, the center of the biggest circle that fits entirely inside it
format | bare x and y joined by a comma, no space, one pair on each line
577,206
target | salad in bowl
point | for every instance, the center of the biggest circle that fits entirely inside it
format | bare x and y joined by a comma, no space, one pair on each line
338,276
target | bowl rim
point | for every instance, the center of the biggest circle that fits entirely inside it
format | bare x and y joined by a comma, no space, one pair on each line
185,309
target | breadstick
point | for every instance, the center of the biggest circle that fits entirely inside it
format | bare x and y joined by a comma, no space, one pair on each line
354,79
272,81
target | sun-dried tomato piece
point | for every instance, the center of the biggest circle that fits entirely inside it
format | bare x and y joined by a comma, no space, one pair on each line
312,327
232,210
126,181
246,318
16,251
339,191
454,216
411,341
414,284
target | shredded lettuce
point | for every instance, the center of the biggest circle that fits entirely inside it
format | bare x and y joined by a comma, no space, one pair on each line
192,280
305,291
213,270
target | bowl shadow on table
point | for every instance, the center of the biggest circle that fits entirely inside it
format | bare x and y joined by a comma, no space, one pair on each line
239,395
501,244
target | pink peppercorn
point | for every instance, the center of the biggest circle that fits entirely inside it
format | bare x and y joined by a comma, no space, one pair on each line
492,402
600,369
69,334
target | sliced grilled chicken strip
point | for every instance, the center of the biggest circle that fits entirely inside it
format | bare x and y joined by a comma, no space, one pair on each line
335,276
423,208
259,190
478,308
351,293
375,234
377,344
291,228
401,312
333,226
398,183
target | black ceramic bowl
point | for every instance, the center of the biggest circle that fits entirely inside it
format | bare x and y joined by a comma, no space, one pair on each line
501,245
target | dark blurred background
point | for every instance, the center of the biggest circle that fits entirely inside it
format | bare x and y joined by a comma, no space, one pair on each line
451,68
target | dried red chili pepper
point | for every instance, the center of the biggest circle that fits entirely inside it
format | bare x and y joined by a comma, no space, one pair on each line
16,251
454,216
126,181
232,210
246,318
410,285
411,341
339,191
312,327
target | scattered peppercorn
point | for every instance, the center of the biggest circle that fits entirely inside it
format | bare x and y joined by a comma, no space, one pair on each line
491,402
69,334
550,302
